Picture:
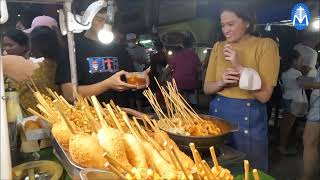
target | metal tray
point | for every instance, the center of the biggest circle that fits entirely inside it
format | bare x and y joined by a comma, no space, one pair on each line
204,142
64,157
201,142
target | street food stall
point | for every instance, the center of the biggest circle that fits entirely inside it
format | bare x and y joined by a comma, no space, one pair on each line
92,140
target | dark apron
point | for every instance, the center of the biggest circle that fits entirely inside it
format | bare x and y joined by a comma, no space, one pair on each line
251,116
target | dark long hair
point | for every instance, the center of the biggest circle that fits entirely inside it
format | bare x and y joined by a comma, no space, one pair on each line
287,62
44,43
244,12
17,36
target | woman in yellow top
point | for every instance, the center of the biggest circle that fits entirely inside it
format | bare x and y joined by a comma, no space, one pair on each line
238,106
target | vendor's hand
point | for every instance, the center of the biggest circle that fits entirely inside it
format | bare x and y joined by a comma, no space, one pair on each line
230,54
115,82
18,68
146,76
230,76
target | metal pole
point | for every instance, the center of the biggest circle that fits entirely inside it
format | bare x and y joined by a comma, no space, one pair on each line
5,156
71,48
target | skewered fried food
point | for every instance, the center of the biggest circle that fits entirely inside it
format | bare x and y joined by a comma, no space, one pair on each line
166,170
162,137
86,151
62,134
111,141
180,117
134,151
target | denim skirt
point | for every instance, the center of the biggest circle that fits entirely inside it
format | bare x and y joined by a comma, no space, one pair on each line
251,116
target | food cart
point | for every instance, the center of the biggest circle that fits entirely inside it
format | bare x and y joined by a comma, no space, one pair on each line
228,155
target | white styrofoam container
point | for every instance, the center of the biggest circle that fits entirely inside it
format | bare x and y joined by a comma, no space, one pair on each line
37,134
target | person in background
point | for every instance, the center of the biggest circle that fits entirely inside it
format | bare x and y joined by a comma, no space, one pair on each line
15,42
100,67
41,21
26,17
158,61
44,76
140,59
137,53
311,135
238,106
186,66
51,23
291,72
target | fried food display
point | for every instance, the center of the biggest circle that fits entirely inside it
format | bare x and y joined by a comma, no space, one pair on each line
106,138
180,117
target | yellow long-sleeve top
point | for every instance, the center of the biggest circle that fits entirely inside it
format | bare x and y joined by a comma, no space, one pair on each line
260,54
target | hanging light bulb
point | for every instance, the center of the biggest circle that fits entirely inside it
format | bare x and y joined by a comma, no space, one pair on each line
268,27
316,24
105,35
205,51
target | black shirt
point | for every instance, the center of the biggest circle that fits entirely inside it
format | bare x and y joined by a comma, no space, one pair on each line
95,63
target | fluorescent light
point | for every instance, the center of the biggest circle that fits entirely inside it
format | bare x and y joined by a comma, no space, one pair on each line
170,52
146,41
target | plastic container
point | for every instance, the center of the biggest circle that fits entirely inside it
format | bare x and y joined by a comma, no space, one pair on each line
136,78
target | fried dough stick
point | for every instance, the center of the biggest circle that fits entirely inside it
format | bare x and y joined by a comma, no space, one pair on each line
86,151
110,139
62,134
133,147
166,170
161,137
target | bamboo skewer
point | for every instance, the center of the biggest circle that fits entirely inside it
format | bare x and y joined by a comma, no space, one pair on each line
207,172
64,119
39,115
126,120
141,131
34,84
169,151
91,120
214,157
179,163
195,158
113,105
117,163
115,170
114,118
29,86
99,113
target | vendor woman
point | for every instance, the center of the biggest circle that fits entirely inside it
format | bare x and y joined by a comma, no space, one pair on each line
243,107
